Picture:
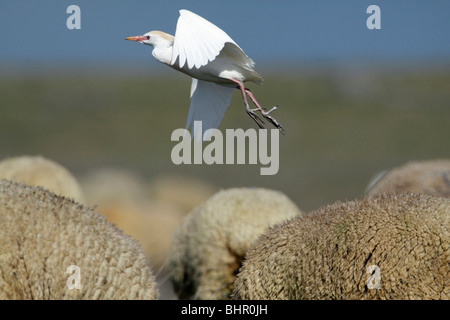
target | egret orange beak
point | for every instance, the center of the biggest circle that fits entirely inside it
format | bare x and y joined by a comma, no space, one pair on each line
137,38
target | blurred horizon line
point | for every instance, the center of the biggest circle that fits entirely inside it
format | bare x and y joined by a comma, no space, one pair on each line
268,67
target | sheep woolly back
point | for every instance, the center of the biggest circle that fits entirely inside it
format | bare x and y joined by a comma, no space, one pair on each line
209,245
328,253
42,234
427,177
39,171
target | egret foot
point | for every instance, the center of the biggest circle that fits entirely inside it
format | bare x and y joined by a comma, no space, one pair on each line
245,91
254,116
273,121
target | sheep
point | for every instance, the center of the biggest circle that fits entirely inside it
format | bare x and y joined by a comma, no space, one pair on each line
209,245
121,196
52,247
151,224
106,184
184,192
390,246
430,177
39,171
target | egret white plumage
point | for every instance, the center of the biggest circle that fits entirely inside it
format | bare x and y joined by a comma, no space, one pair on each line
216,64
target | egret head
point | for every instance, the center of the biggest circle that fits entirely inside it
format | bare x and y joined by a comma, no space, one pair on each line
154,38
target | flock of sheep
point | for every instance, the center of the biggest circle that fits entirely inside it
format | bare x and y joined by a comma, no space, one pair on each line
240,243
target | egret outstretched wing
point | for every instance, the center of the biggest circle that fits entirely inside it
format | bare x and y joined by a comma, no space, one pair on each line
198,41
209,101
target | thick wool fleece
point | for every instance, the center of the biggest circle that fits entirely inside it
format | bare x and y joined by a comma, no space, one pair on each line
42,234
210,243
339,251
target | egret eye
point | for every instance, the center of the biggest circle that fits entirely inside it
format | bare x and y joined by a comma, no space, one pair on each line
148,37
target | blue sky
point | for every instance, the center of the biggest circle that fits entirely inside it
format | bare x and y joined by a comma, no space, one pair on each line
276,31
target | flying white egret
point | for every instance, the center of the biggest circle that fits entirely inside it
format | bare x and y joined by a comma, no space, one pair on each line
216,64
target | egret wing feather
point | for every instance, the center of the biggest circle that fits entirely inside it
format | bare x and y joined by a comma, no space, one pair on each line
238,55
209,101
197,41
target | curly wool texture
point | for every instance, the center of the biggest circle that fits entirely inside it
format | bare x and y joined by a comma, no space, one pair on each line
427,177
42,234
39,171
326,254
209,245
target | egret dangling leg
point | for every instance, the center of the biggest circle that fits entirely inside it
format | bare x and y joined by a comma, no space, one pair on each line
250,112
265,114
263,111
